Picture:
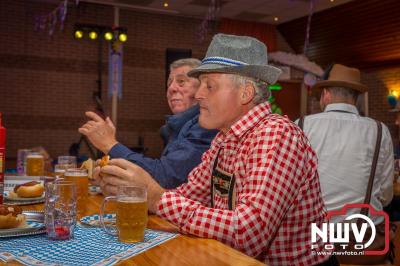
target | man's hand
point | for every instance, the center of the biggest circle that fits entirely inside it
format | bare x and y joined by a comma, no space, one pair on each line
120,172
101,133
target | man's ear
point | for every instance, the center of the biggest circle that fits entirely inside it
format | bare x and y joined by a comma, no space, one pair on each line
247,93
328,95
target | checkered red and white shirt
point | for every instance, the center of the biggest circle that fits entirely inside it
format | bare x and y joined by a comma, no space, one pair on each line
278,194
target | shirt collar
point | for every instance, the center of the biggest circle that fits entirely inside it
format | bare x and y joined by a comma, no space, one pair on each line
341,107
176,122
248,121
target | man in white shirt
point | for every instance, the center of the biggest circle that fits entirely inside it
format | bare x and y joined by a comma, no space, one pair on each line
345,143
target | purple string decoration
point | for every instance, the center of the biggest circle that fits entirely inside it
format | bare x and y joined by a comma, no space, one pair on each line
63,14
43,21
37,23
50,20
210,18
307,39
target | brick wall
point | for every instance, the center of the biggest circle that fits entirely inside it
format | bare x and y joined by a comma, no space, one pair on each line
47,82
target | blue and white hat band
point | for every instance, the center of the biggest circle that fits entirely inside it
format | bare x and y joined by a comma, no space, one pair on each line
222,61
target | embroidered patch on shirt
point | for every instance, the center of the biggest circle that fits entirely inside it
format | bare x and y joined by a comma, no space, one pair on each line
224,186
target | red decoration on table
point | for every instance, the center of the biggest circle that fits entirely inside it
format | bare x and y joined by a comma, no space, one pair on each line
62,232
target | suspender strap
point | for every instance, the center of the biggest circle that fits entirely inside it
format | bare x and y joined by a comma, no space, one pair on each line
373,167
212,178
301,122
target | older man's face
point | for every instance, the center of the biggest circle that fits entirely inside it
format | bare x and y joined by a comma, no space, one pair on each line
181,90
219,101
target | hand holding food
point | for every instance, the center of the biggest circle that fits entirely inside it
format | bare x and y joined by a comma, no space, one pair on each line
104,161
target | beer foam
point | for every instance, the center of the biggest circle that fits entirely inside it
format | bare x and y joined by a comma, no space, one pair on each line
131,199
80,174
34,156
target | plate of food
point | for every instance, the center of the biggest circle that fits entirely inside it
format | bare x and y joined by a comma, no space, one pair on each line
26,193
15,222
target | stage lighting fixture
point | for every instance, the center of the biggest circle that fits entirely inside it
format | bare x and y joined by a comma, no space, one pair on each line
108,35
93,35
95,32
122,37
78,34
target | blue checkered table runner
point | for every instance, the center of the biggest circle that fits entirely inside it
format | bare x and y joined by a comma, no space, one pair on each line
90,246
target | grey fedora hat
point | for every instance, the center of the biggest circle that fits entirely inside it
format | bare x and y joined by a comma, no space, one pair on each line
242,55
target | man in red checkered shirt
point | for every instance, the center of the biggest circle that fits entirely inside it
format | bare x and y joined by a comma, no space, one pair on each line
257,187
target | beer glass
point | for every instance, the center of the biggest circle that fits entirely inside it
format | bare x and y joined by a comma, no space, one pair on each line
59,171
34,164
81,180
131,214
60,210
66,162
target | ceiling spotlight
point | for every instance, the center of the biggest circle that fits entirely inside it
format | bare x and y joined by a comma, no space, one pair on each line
78,34
276,18
332,1
93,35
108,36
165,4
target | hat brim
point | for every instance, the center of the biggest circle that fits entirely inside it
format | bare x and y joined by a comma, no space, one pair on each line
269,74
336,83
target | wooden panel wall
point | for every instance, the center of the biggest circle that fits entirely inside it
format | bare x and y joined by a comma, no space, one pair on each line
361,33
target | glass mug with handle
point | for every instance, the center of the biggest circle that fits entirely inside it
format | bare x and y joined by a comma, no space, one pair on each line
131,212
60,210
66,162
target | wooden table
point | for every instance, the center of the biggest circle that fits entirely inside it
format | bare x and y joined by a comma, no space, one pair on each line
186,250
183,250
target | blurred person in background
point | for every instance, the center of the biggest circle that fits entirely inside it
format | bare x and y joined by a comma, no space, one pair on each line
345,143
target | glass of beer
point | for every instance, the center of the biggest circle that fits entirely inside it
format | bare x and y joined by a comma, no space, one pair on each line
131,212
59,171
81,180
34,164
66,162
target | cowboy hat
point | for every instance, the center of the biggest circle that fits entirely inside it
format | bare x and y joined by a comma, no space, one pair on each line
341,76
242,55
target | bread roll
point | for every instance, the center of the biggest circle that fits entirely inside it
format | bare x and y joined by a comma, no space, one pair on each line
31,189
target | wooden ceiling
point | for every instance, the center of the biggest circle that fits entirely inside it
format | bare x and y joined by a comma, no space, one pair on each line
263,11
362,33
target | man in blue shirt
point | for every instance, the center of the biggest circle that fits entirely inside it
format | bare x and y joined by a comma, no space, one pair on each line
186,140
